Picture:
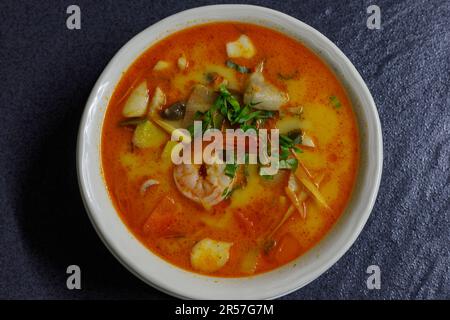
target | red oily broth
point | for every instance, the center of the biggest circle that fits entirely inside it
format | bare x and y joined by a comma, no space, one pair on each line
170,224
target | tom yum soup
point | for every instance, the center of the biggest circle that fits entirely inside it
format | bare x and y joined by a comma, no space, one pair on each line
229,149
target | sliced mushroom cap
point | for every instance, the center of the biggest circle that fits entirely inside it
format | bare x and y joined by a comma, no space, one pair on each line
175,111
201,99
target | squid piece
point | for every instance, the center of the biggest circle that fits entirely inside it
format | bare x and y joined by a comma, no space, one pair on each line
209,255
161,65
241,48
265,95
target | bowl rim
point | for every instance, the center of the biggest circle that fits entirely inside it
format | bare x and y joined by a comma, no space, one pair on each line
87,194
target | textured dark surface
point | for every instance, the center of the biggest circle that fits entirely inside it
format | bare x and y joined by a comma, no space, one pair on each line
47,72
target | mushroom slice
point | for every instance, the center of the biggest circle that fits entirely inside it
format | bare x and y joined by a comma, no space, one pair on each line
209,255
267,96
136,104
201,99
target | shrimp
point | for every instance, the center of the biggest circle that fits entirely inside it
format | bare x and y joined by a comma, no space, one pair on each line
202,183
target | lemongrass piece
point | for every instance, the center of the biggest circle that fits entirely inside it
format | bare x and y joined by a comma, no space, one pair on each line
286,216
136,104
318,180
161,65
180,135
147,184
292,183
305,178
310,186
295,201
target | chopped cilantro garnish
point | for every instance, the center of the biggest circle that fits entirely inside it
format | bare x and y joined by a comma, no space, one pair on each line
233,65
291,164
227,192
230,169
335,102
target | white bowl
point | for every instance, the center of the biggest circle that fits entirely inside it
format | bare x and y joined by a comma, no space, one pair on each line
184,284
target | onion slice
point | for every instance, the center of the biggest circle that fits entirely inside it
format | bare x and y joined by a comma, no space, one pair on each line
147,184
308,141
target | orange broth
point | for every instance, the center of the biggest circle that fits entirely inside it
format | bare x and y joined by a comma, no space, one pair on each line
168,223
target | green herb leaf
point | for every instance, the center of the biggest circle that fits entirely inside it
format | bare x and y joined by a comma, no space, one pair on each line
233,65
217,121
291,164
267,177
295,136
191,130
230,169
227,193
335,102
132,121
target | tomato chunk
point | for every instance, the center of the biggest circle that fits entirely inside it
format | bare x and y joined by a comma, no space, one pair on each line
163,220
287,249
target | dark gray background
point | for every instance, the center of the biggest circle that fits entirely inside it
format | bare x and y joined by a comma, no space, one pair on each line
47,72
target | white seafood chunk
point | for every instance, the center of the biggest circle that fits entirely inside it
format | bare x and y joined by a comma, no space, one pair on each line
267,96
210,255
241,48
182,62
161,65
158,100
136,104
